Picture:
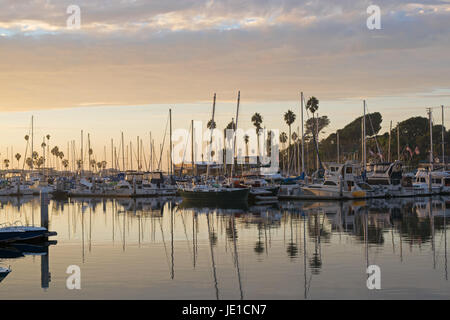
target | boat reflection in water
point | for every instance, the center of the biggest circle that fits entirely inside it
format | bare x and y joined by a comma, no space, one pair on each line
164,248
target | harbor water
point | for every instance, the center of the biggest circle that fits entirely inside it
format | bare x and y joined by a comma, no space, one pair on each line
160,248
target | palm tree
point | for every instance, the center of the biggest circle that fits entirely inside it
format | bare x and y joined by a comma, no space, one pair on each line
18,156
39,162
43,145
294,137
61,155
48,148
29,162
289,118
295,140
27,137
6,162
313,105
55,151
230,126
93,163
283,139
211,124
257,120
65,163
269,143
246,140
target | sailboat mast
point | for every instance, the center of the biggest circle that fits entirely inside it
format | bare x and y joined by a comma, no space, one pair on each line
112,153
398,141
138,156
151,154
389,147
192,146
170,148
303,134
123,154
82,160
32,140
443,144
430,117
131,156
210,139
337,143
89,152
364,138
235,130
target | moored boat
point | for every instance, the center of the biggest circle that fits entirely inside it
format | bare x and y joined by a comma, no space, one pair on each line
214,194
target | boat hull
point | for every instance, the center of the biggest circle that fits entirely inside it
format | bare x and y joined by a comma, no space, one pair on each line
221,196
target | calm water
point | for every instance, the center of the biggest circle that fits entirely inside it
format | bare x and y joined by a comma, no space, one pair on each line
156,249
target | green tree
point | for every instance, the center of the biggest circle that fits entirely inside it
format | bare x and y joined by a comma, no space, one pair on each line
289,118
257,121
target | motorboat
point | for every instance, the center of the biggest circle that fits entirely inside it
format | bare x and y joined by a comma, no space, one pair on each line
341,181
432,182
15,232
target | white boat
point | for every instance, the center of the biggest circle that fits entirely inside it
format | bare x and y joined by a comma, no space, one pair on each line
153,185
439,183
342,181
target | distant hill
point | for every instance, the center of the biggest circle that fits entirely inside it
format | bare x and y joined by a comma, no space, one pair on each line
414,143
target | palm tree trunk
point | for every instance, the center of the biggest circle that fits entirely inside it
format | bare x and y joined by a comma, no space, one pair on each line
289,151
315,143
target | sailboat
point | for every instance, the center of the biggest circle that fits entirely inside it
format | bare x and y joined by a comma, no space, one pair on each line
215,193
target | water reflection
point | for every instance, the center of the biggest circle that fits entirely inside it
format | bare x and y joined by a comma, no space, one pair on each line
231,252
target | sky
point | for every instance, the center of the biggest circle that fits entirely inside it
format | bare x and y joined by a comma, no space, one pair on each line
132,60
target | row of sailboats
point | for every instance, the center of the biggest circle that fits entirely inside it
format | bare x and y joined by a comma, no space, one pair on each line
354,180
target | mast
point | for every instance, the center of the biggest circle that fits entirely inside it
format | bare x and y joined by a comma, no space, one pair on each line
364,138
303,134
337,143
32,140
151,153
82,160
389,145
443,144
210,139
138,156
131,156
112,153
430,118
398,141
318,165
170,147
123,154
192,146
235,130
89,152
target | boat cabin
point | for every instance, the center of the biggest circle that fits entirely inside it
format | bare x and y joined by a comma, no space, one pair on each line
385,173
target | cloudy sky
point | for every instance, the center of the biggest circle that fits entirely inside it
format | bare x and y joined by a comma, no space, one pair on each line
132,59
